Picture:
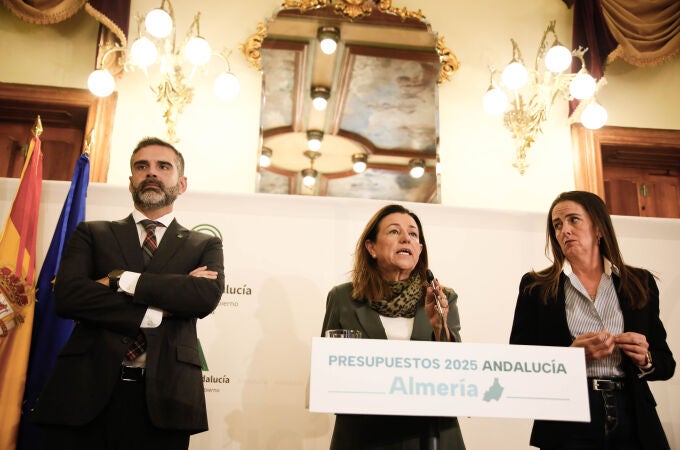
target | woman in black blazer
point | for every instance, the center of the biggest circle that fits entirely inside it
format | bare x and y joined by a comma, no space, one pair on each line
589,298
389,298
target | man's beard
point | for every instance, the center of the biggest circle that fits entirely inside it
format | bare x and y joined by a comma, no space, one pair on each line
151,199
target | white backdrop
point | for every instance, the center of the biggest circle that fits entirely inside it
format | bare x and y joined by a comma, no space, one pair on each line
283,254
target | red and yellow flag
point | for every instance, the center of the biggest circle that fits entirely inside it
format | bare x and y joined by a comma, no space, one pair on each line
17,293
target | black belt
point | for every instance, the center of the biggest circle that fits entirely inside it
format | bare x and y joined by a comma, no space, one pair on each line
132,373
603,384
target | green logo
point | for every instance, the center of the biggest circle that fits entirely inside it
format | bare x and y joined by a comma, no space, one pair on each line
204,363
494,392
208,229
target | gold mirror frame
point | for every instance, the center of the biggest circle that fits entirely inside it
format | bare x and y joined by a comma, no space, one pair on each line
352,9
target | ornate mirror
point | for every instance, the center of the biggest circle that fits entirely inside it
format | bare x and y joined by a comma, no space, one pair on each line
358,118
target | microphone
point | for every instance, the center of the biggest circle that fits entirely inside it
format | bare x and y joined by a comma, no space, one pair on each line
430,279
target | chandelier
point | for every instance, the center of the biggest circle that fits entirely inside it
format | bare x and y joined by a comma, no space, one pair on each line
156,44
524,96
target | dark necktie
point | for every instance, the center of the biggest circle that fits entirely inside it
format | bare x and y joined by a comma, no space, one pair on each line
149,246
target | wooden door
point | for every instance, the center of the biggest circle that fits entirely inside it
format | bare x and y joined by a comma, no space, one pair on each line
642,192
61,148
69,117
605,161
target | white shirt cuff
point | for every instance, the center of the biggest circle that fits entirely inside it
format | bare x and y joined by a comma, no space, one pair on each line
152,318
128,283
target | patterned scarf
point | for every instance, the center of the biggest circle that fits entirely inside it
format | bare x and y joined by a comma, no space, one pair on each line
404,299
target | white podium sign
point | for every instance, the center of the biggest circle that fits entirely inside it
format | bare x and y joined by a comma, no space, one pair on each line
374,376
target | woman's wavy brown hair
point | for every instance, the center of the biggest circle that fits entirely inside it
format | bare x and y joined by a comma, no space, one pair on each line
633,284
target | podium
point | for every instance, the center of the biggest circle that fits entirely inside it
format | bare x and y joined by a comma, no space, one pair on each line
442,379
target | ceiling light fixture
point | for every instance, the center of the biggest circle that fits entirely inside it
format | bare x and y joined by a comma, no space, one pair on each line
320,96
156,43
309,175
525,96
416,168
328,39
359,162
314,138
266,157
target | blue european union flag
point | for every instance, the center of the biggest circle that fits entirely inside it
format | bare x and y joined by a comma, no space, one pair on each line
50,332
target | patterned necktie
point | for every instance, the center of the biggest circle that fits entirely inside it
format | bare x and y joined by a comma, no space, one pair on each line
149,246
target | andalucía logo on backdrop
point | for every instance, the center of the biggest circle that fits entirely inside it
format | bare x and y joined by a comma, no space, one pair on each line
208,229
207,378
210,379
232,291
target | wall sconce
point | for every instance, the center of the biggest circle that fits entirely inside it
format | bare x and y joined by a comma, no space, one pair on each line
525,96
320,96
309,175
156,42
416,168
226,85
359,161
314,138
266,157
328,39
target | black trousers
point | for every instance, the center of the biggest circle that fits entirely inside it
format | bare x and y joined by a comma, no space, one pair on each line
123,425
611,427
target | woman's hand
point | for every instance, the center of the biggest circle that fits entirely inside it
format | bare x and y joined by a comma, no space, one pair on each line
634,345
433,313
596,345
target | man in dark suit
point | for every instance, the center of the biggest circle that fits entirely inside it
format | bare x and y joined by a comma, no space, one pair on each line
130,374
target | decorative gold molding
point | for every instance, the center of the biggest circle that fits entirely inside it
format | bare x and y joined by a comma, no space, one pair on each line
353,9
305,5
403,12
448,59
252,47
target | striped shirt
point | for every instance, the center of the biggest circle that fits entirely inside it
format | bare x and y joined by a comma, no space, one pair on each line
584,315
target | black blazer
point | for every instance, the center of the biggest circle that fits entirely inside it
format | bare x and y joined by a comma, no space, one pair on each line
536,323
358,431
88,366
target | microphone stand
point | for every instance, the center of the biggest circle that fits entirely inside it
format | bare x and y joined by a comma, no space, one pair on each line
433,435
433,428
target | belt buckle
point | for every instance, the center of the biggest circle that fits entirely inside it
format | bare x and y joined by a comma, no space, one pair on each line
604,385
598,385
131,373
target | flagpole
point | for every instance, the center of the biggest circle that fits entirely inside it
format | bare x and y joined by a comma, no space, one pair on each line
37,129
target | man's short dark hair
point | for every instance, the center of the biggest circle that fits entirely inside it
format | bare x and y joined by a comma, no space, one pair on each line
147,141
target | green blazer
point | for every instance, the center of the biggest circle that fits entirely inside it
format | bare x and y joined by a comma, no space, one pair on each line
371,432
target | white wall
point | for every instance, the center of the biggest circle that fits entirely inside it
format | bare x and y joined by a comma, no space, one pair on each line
220,139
